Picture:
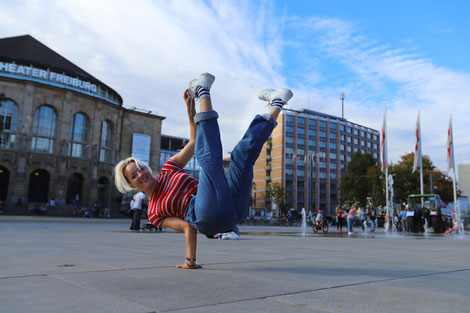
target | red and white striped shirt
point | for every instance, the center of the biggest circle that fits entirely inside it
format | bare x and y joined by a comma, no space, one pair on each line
172,193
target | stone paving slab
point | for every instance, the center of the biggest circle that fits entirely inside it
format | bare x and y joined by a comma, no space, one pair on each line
271,269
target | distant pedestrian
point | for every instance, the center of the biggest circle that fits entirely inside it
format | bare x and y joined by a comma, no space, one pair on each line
363,219
136,207
52,203
350,216
372,219
339,218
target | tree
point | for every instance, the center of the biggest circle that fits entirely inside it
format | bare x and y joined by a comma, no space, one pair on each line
356,184
278,196
407,182
376,180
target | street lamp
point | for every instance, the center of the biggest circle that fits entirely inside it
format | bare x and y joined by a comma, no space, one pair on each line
341,97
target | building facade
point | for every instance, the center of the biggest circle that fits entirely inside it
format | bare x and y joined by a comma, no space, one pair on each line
171,145
62,131
307,154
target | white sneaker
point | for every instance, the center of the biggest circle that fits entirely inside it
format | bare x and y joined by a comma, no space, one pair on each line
205,80
269,94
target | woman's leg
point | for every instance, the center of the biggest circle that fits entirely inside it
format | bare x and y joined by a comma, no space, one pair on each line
245,154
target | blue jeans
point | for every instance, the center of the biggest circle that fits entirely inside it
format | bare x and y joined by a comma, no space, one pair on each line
350,224
222,200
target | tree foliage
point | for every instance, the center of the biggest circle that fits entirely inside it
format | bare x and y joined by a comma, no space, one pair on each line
407,182
364,180
356,185
278,196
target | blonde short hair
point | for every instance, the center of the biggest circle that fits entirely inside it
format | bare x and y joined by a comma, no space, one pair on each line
121,182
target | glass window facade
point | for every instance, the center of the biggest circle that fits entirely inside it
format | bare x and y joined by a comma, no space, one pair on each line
78,136
105,142
8,121
44,130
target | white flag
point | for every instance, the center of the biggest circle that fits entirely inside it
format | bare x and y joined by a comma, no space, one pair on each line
383,142
418,161
450,147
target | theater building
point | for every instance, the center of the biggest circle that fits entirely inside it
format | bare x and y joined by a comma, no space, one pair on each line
62,130
307,154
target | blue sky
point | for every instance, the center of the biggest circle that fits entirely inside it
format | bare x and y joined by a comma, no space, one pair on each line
402,55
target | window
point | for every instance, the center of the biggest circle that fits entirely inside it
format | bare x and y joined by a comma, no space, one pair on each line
341,157
356,132
363,143
363,134
341,128
300,162
289,119
333,176
105,143
300,173
311,143
349,129
375,146
322,134
349,149
289,129
78,136
289,139
300,141
301,131
289,161
332,135
322,175
322,164
356,141
332,166
300,120
369,136
322,124
369,145
375,155
333,126
349,139
333,156
289,172
44,130
311,123
332,146
8,121
289,151
342,137
322,144
311,133
341,147
349,158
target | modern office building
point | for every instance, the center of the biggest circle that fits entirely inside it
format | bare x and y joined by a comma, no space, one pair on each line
171,145
307,154
464,179
62,131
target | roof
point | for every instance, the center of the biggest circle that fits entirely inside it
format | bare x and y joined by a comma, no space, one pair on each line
26,49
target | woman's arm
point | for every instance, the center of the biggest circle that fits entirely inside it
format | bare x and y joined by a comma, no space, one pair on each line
185,155
190,235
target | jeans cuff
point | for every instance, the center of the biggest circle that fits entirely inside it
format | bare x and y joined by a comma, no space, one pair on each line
202,116
269,118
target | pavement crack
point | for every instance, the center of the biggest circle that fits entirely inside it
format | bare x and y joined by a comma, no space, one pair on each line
272,297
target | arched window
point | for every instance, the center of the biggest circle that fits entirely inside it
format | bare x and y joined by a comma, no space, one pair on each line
78,136
8,120
44,130
105,143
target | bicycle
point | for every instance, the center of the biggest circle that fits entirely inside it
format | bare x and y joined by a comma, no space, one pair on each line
323,226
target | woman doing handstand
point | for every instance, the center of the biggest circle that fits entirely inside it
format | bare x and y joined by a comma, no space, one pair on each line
218,201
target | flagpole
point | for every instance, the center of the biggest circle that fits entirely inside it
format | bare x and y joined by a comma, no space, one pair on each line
420,156
385,160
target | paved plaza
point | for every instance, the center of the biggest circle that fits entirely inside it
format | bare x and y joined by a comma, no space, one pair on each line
95,265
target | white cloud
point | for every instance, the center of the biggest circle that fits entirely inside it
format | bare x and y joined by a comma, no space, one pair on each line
149,50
